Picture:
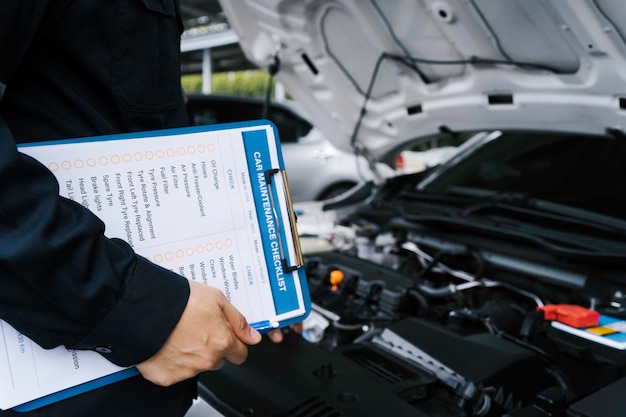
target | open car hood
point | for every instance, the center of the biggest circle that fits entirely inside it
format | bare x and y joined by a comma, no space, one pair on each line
380,73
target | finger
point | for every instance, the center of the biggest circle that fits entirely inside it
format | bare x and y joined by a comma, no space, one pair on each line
296,327
240,325
275,336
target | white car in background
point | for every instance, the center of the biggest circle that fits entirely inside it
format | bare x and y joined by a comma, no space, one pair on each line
316,169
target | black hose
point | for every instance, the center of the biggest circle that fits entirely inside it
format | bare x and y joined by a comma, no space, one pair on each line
433,292
272,70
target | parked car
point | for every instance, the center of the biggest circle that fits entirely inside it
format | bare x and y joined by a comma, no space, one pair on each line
316,170
493,285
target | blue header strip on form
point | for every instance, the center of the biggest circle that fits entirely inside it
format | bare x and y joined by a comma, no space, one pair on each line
78,389
269,217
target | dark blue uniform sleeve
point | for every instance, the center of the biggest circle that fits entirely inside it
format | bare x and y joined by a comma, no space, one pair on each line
62,282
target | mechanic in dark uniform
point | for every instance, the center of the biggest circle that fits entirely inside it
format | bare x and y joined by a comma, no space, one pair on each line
76,68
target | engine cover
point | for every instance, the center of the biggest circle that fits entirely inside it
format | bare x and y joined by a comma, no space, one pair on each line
369,379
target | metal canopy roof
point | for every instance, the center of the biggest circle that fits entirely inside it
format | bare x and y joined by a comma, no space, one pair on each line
207,27
197,8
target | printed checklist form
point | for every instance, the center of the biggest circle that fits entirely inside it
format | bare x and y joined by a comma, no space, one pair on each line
32,376
209,203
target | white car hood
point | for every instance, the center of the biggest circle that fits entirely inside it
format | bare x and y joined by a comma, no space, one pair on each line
420,66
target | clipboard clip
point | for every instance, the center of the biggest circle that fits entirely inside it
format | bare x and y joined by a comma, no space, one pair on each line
284,252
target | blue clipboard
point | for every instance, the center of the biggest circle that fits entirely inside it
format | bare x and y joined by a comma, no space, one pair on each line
275,219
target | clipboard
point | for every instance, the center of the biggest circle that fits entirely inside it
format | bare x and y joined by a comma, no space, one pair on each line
211,203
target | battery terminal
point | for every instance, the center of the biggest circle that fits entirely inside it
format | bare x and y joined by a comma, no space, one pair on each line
570,314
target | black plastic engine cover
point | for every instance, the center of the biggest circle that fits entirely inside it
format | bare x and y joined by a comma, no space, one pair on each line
481,358
296,378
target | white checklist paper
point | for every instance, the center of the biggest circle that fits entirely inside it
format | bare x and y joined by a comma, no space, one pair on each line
199,202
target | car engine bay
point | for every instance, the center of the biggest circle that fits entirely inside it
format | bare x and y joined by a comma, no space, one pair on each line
493,285
419,321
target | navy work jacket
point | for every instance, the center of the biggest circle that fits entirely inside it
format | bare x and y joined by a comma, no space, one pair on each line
76,68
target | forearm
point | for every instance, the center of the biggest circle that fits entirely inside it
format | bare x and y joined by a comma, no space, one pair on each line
63,282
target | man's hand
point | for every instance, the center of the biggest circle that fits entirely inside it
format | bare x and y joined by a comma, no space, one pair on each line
210,333
276,336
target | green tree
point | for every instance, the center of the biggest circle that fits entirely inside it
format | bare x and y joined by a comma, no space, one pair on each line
252,83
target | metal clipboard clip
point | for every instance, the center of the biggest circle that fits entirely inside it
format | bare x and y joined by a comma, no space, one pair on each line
284,252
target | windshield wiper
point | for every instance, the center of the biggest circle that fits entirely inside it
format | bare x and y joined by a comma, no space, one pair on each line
571,246
525,205
557,228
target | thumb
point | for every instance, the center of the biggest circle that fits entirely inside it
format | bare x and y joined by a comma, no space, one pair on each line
240,325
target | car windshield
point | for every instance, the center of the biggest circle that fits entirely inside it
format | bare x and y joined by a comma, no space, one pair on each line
585,172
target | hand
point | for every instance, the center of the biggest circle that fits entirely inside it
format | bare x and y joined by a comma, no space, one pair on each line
276,336
210,333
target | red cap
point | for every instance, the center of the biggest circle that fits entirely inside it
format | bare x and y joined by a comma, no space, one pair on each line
572,315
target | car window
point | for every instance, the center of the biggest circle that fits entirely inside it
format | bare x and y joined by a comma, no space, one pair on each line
204,112
290,126
205,116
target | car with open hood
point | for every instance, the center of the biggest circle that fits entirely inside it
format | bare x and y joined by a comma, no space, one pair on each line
317,169
492,285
